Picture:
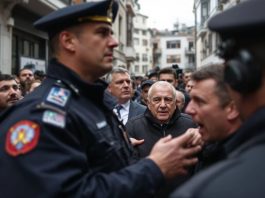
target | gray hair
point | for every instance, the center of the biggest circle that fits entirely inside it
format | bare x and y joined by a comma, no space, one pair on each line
181,98
115,70
162,84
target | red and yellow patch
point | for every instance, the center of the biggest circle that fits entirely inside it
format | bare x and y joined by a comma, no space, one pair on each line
22,137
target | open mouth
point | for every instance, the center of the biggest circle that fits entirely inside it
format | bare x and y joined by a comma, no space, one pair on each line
12,101
201,128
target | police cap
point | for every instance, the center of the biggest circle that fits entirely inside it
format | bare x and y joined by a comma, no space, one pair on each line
247,19
96,11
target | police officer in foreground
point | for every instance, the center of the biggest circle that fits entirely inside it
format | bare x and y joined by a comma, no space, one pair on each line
242,175
62,140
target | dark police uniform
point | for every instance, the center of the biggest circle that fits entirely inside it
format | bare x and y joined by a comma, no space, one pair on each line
242,174
63,140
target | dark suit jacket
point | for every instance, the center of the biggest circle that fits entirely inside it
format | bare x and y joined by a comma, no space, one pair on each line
135,109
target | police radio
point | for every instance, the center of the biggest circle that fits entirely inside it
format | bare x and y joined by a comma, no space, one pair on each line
242,73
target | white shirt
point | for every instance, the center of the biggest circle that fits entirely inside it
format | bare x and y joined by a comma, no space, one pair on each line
124,112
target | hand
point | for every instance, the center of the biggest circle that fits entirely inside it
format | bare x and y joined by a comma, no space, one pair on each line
136,142
173,156
196,139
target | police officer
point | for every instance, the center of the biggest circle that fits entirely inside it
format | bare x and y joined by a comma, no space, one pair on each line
242,175
62,140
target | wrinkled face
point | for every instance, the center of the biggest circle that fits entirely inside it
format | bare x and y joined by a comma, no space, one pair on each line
169,78
180,100
26,76
9,93
206,111
161,103
121,87
94,46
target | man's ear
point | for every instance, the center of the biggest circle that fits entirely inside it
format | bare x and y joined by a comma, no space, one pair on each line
232,112
68,40
108,88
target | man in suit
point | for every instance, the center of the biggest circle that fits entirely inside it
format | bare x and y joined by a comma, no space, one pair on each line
120,86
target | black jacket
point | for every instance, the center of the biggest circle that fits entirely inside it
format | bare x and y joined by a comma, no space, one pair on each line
241,175
135,110
64,141
146,127
213,153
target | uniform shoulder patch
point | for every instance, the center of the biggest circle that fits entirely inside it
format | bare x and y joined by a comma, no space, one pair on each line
58,96
22,137
54,118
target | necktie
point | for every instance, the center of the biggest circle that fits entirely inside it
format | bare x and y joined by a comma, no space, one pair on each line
118,109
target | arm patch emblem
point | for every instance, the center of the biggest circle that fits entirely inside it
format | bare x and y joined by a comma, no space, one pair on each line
22,137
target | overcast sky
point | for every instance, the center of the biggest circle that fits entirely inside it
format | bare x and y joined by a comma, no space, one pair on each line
164,13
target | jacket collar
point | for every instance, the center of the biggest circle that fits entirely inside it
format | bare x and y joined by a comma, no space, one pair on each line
152,119
249,130
94,91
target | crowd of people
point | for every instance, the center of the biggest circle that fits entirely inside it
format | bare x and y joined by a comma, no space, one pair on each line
88,129
15,87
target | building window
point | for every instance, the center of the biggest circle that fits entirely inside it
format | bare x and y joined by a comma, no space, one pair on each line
173,44
25,45
205,5
144,32
145,42
144,69
136,31
210,43
136,41
173,58
191,45
68,2
217,41
136,68
137,57
144,58
144,20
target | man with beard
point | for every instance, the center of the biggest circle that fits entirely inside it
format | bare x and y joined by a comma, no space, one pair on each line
25,77
9,91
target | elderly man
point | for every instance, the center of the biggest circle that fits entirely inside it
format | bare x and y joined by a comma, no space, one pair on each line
9,91
120,86
161,118
64,140
169,74
241,175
